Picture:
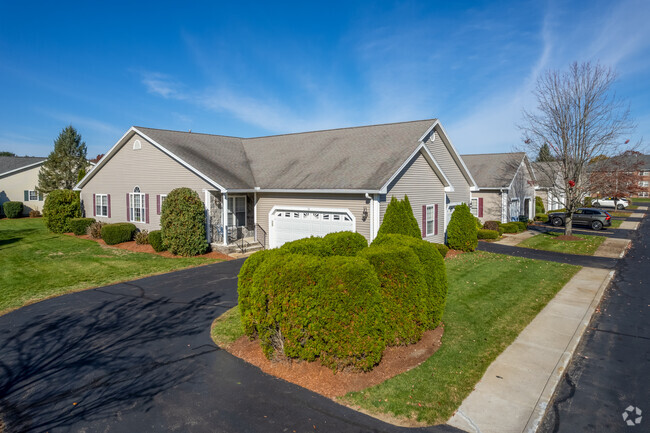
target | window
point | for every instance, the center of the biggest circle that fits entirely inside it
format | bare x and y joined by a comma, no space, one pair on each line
162,199
33,195
101,205
643,194
473,207
237,211
645,173
137,206
430,219
643,183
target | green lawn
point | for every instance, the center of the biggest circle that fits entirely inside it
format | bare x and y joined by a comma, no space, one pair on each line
619,213
644,200
491,299
549,242
616,223
37,264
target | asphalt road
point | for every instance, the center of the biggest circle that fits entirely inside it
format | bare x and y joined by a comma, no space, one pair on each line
137,357
609,371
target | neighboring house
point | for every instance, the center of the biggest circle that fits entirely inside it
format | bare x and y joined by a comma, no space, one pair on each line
618,176
644,172
281,188
548,174
18,181
506,183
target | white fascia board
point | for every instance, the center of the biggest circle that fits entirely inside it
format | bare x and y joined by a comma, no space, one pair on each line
474,188
305,191
452,149
424,150
7,173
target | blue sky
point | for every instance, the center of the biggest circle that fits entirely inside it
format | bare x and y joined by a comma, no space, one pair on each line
261,68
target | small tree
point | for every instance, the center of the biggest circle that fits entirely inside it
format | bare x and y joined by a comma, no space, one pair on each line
539,205
544,154
63,164
578,118
462,233
183,223
399,219
60,206
5,153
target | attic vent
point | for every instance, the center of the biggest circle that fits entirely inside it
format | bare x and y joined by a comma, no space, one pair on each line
137,145
432,137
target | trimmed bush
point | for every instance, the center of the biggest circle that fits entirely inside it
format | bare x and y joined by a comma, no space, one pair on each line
522,226
491,225
246,288
556,211
95,230
61,205
183,223
479,224
34,213
314,246
442,249
511,227
434,271
142,237
539,205
79,226
462,230
310,307
541,217
118,233
155,240
488,234
403,288
13,209
399,219
344,243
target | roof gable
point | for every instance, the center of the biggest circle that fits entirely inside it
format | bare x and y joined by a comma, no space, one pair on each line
10,164
494,170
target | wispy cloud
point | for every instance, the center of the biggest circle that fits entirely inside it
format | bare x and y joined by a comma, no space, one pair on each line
162,85
85,122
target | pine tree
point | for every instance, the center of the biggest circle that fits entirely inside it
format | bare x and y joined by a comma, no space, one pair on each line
544,154
62,167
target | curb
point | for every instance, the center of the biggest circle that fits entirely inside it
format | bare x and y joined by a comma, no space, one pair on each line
555,378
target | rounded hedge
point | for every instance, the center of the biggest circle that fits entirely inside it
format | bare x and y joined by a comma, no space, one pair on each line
155,240
541,217
183,223
435,272
345,243
60,206
442,249
539,205
313,245
118,233
488,234
13,209
462,230
311,307
79,226
512,227
399,219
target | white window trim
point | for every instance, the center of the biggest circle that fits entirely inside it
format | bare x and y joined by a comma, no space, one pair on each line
99,205
232,211
473,209
433,220
142,207
29,195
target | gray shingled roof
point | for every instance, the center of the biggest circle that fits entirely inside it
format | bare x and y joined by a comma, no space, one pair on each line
11,163
544,171
349,158
493,170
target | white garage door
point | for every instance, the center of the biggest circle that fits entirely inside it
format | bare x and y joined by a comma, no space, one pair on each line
288,225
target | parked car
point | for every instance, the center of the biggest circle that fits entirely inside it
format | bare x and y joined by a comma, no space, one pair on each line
594,218
618,203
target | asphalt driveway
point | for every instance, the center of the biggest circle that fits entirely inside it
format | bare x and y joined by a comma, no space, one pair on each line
137,357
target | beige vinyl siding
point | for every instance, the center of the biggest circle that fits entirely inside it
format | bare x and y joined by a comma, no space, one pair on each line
13,186
491,204
149,168
421,184
356,203
451,169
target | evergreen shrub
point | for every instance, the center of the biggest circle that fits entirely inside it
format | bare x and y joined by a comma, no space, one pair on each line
442,249
13,209
118,233
522,226
313,245
183,223
488,234
79,226
344,243
539,205
541,217
511,227
155,240
462,230
60,206
399,219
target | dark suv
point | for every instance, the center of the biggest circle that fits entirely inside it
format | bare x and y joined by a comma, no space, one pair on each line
594,218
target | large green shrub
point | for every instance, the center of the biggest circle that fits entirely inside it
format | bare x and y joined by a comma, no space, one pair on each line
79,226
399,219
521,225
511,227
311,307
118,233
462,230
245,288
434,269
345,243
183,223
488,234
539,205
155,240
313,245
60,206
13,209
442,249
541,217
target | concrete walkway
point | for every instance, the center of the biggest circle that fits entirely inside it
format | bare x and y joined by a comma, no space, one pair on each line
613,248
515,390
515,238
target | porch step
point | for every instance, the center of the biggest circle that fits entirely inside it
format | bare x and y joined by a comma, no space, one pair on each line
249,247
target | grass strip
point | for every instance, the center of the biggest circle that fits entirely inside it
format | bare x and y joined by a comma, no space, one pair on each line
549,242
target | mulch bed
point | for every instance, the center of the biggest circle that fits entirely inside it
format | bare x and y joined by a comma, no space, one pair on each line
453,253
320,379
568,238
132,246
